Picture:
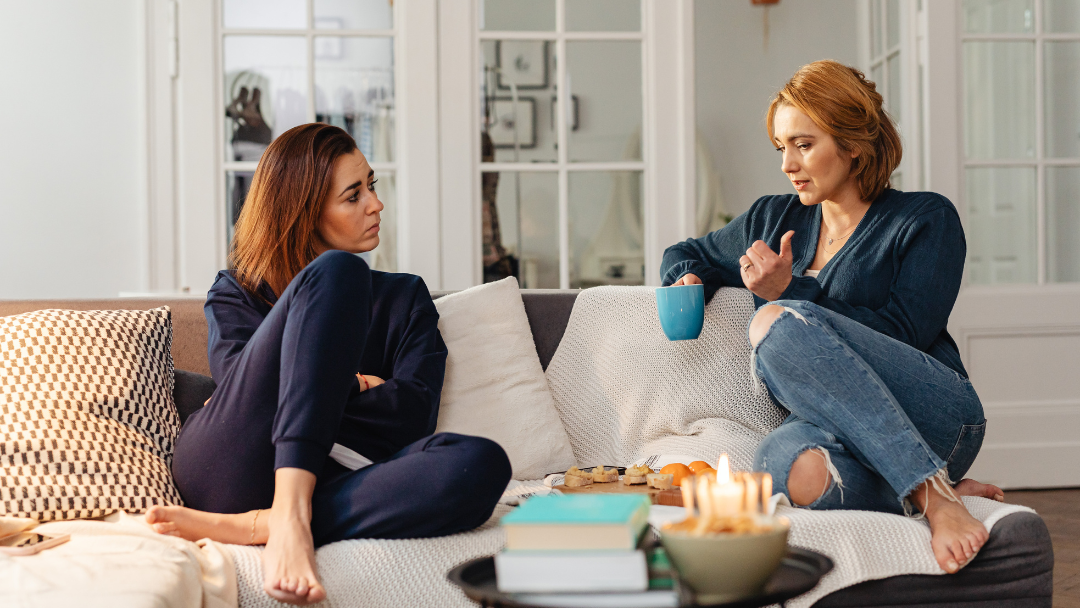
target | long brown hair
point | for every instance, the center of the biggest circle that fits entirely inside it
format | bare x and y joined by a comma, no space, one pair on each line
844,104
277,229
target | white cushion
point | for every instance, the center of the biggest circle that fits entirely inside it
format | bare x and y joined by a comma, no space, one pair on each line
494,385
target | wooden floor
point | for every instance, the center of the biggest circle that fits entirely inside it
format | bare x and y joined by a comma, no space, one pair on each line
1060,509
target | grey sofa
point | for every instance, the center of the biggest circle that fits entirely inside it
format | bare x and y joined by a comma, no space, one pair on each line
1013,570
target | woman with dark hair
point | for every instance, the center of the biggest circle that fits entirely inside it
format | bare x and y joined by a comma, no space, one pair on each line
859,280
328,381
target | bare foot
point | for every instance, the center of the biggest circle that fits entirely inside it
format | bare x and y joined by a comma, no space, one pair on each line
189,524
956,536
970,487
289,571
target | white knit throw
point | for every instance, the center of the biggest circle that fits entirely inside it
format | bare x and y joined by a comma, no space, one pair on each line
624,392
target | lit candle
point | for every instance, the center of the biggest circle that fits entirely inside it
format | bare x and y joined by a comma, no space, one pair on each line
723,470
750,500
688,499
766,492
704,502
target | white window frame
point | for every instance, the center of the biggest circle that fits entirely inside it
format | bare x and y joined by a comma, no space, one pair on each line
309,33
186,119
911,50
667,138
1041,161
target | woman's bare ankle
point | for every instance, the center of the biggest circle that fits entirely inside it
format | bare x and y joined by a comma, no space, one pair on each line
191,524
289,569
955,536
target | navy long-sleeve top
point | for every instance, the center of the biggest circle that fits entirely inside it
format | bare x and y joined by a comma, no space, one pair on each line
899,272
403,347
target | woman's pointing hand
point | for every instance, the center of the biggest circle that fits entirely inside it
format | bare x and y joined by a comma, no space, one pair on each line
764,272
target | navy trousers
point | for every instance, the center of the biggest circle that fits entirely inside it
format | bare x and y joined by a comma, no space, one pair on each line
280,405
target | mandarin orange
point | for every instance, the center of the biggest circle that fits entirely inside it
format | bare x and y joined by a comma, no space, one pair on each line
698,466
678,471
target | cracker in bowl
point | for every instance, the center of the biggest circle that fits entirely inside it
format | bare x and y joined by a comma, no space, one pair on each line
661,481
636,475
602,475
575,478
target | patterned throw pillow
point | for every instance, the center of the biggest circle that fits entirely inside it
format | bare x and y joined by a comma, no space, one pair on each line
87,420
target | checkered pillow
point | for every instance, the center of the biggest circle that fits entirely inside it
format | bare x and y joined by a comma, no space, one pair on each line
87,420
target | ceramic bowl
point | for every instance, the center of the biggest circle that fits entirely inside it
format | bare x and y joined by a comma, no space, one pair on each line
727,567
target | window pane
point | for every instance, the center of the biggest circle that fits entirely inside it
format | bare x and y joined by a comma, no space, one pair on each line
237,184
521,228
521,130
604,79
892,25
517,15
603,15
606,234
265,88
1062,61
999,100
384,256
895,84
1001,231
354,14
354,89
875,28
999,16
267,14
1063,224
1061,16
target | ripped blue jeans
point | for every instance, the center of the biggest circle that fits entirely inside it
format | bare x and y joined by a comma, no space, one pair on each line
885,415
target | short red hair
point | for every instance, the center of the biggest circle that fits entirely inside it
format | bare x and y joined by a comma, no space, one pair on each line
844,104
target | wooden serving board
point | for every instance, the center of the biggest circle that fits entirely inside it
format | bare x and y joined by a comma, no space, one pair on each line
672,497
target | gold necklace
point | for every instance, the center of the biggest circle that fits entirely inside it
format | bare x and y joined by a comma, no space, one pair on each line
839,238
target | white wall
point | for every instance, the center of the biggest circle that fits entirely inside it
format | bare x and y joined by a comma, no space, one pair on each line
737,77
72,149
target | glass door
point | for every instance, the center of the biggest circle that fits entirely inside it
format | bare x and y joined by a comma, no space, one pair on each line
291,62
1021,108
561,168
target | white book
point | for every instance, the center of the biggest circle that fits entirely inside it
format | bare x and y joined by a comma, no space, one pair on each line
570,571
644,599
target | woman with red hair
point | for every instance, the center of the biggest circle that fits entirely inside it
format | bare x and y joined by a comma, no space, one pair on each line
855,282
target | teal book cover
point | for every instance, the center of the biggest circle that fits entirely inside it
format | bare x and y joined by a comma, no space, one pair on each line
579,509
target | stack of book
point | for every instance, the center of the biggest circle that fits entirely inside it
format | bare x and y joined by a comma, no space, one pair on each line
583,549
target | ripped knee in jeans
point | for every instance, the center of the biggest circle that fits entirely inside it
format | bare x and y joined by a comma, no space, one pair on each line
764,319
809,478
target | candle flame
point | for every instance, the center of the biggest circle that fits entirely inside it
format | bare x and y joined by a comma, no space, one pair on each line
723,470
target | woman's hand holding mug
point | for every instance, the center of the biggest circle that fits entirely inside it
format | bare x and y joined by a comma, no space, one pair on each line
764,272
687,279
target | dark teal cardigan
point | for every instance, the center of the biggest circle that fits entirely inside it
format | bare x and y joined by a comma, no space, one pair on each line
899,272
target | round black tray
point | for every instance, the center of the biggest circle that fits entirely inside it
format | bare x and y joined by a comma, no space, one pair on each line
799,572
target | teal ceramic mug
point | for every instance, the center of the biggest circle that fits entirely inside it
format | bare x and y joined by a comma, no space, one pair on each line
682,311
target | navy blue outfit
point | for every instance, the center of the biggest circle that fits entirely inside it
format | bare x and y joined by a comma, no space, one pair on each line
287,392
860,355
